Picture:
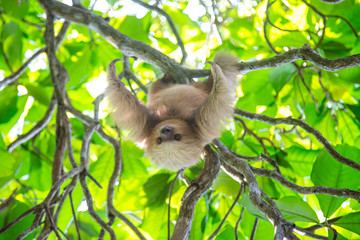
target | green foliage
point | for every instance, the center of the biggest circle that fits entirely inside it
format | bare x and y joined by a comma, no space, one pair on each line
327,101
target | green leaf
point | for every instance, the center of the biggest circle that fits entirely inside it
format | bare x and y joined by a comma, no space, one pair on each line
11,37
14,210
350,222
8,167
88,229
199,220
281,75
295,209
245,201
301,160
40,93
348,128
134,28
227,232
80,70
226,184
134,162
8,106
155,220
2,143
331,173
157,188
15,9
40,174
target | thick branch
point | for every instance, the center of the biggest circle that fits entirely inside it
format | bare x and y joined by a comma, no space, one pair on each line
282,227
122,42
193,193
306,53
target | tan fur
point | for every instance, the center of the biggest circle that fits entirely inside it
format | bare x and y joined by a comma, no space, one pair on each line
195,112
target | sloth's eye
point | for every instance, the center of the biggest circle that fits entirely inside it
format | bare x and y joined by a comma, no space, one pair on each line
159,140
177,137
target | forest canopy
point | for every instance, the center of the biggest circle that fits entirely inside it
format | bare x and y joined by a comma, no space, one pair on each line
286,166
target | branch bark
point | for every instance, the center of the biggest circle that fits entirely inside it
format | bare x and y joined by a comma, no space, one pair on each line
283,228
125,44
305,53
197,188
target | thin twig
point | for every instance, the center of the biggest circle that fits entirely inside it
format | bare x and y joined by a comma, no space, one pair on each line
238,223
171,24
170,194
253,231
227,214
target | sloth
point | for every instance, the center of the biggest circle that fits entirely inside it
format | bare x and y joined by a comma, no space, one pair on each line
179,119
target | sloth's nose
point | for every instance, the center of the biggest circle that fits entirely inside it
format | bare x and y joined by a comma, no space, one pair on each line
167,133
166,130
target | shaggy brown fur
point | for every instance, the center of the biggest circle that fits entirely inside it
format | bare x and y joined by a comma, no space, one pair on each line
178,119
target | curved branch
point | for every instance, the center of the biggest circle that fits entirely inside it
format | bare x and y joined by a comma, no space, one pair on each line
300,123
344,193
37,128
122,42
13,77
114,177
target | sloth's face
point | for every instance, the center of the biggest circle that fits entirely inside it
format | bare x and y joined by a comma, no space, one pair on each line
173,144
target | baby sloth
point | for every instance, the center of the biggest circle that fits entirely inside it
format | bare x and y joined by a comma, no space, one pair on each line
179,119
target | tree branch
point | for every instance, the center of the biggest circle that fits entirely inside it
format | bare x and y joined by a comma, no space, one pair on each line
300,123
345,193
283,228
37,128
125,44
305,53
193,193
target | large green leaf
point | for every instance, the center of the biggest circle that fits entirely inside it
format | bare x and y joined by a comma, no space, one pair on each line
350,221
245,201
281,75
301,160
16,208
12,44
135,28
17,9
8,167
226,184
331,173
295,209
348,128
157,188
8,107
